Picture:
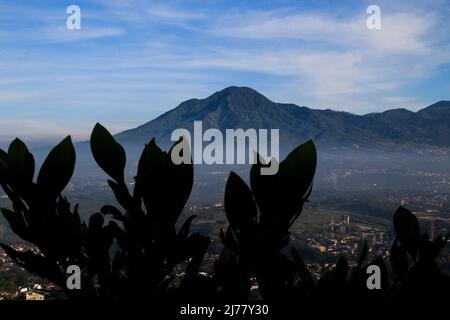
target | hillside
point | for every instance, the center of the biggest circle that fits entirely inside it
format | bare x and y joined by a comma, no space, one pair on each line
242,107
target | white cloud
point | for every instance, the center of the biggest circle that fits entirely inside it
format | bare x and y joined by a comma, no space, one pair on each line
330,57
400,32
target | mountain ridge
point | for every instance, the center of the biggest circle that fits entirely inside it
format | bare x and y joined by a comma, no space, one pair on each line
244,107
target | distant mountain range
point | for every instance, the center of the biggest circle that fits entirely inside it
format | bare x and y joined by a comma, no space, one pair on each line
242,107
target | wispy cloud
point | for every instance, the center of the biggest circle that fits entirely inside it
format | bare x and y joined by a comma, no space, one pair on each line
62,34
330,57
400,32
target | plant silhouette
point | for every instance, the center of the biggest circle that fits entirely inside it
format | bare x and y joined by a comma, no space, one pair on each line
259,221
148,245
42,216
136,250
413,258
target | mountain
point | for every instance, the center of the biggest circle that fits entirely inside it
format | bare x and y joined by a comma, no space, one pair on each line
242,107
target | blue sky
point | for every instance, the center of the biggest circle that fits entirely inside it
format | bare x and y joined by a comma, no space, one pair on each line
133,60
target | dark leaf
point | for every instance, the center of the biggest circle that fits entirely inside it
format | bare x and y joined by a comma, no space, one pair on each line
297,173
341,270
240,207
281,196
108,154
17,223
407,228
164,186
184,230
96,222
57,169
399,260
21,166
363,254
266,190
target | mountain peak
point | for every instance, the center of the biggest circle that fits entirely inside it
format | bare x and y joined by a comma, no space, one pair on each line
237,90
235,93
